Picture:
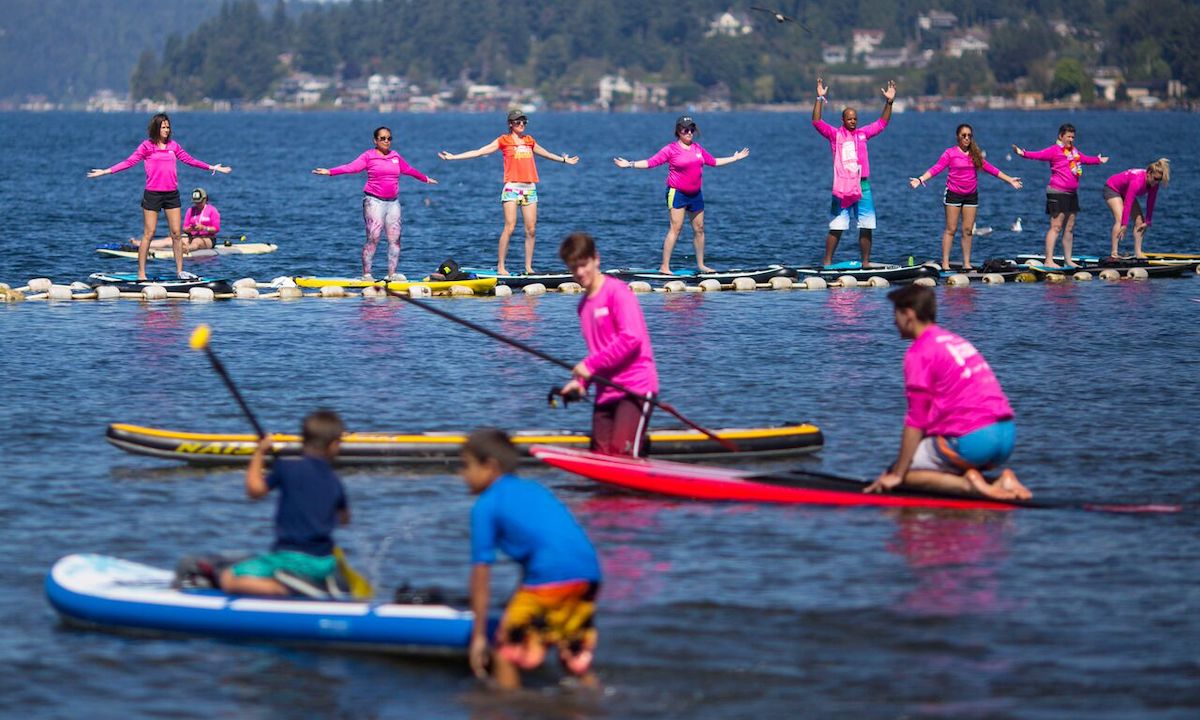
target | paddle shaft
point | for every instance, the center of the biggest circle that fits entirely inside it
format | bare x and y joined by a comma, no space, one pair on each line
237,395
723,442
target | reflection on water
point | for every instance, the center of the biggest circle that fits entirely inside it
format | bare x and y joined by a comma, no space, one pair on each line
632,576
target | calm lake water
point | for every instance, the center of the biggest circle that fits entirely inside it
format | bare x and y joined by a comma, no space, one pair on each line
708,611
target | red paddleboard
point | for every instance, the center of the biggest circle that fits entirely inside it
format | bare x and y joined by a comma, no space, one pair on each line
794,487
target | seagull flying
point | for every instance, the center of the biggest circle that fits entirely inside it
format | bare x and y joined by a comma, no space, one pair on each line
781,18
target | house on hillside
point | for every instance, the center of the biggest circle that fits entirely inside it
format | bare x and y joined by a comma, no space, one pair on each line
730,24
1107,79
936,20
864,40
969,41
886,58
833,54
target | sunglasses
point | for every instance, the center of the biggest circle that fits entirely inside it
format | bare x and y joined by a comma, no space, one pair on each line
965,135
687,131
518,121
384,138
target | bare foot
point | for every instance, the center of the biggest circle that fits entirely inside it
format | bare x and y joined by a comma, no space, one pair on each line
705,268
665,271
1072,264
529,271
1008,481
1141,257
1050,263
500,270
988,490
946,267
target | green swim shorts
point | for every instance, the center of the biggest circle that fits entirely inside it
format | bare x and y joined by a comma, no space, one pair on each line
315,567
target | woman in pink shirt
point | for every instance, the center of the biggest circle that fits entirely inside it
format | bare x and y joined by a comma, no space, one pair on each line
381,197
201,224
685,160
1121,193
159,153
618,349
963,162
1062,198
959,422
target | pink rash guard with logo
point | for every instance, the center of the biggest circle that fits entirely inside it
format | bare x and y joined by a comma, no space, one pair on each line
618,343
161,172
951,389
686,165
383,172
962,177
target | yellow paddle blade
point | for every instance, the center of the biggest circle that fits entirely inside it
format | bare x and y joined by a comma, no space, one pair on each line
200,335
360,587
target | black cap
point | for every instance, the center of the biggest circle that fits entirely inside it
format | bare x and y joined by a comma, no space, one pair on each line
517,114
685,121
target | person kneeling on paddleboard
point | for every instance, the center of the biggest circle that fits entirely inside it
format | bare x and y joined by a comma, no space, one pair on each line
959,422
201,223
618,350
560,573
312,501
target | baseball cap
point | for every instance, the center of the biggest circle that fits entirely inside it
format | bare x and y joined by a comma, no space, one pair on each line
685,121
199,194
516,115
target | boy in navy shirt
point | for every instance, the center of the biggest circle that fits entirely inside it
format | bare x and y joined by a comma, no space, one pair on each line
311,502
555,602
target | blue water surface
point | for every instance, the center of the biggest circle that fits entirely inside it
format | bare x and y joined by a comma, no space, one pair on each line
708,610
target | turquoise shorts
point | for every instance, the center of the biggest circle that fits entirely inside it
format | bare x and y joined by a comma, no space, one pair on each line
987,448
313,567
861,212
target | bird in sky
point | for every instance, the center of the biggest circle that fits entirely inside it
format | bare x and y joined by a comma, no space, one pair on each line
781,18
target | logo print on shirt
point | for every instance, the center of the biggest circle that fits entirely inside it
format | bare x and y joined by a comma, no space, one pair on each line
850,156
600,312
395,161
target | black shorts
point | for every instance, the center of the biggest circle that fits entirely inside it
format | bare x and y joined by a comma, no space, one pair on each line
1061,202
155,200
968,200
1109,193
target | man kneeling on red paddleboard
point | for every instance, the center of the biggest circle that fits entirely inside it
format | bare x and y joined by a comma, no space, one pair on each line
959,422
618,350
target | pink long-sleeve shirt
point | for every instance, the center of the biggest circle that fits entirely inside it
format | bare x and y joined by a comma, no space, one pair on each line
839,142
161,172
618,342
1065,166
685,165
209,217
962,176
1130,184
951,389
383,172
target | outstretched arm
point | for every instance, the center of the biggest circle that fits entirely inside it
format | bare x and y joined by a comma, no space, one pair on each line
889,97
488,149
564,158
623,163
732,158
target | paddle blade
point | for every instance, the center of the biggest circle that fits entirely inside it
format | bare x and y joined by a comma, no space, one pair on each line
360,587
200,335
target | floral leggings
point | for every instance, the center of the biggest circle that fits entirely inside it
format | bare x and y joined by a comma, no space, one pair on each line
380,215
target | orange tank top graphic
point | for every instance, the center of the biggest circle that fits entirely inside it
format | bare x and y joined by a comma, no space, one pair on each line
518,159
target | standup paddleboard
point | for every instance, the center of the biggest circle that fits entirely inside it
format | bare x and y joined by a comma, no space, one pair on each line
128,282
481,286
221,248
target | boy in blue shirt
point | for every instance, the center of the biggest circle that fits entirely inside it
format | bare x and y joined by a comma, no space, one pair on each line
555,603
311,502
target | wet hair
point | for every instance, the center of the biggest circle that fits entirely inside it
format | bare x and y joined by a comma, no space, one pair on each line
918,298
576,247
375,135
156,126
321,429
492,444
1163,166
1065,128
974,151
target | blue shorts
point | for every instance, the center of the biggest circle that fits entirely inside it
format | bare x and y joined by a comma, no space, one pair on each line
987,448
677,198
862,212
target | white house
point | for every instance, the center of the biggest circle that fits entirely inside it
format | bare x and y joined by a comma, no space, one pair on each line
864,40
730,24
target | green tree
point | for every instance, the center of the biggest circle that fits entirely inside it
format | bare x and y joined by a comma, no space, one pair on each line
1069,77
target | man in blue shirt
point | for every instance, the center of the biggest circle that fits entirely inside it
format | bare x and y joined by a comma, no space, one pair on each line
555,603
312,502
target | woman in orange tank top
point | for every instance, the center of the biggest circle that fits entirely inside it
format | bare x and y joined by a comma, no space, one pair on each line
520,181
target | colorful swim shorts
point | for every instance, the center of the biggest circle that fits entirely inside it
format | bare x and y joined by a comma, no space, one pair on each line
561,614
520,193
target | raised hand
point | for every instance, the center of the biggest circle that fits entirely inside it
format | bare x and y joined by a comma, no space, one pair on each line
889,92
822,89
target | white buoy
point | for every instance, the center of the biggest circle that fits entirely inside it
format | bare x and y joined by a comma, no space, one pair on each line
107,292
4,287
1198,268
245,282
1109,274
1027,277
200,294
461,291
154,292
1137,273
994,279
246,293
333,291
782,283
40,284
397,277
570,288
744,284
419,291
957,279
80,287
710,285
1082,276
847,281
925,282
283,281
1056,278
814,283
534,289
59,292
290,292
9,295
675,286
640,286
878,282
503,291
